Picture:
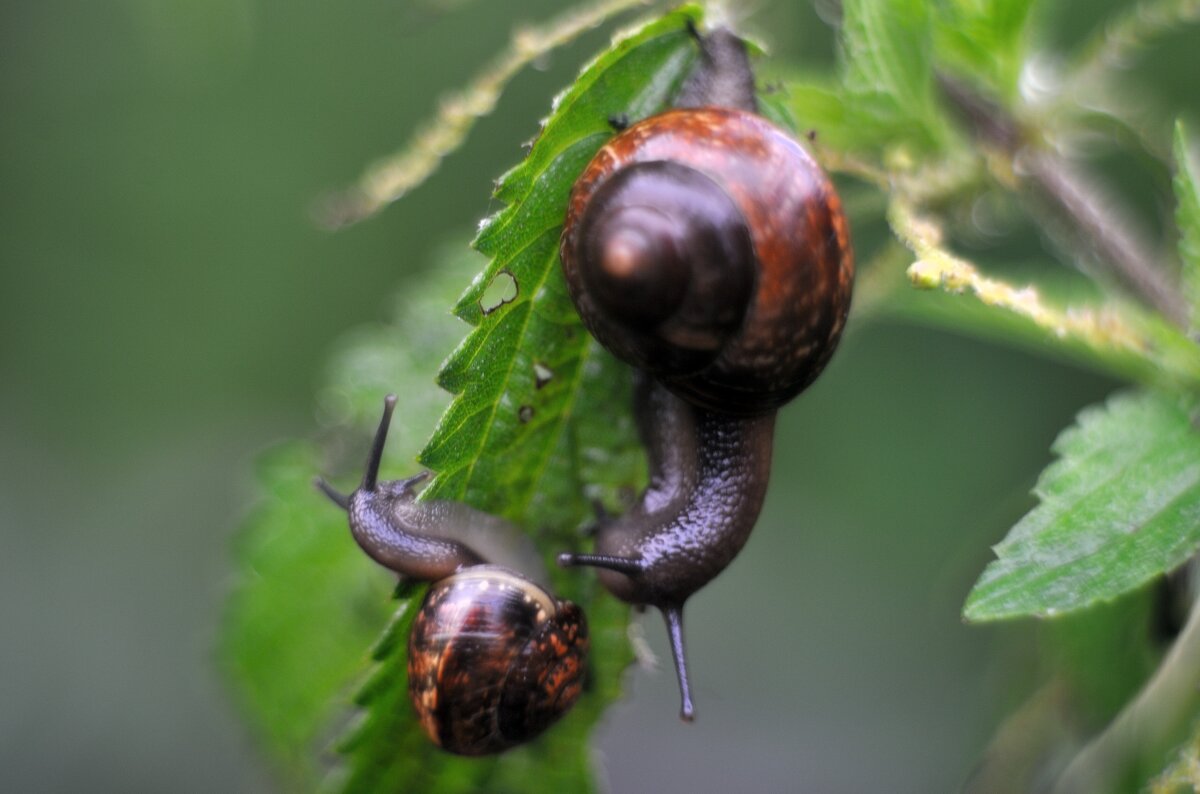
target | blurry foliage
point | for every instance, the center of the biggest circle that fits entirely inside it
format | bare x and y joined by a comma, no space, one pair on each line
928,112
299,631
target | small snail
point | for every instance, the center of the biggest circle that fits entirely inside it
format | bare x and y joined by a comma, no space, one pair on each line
493,658
705,247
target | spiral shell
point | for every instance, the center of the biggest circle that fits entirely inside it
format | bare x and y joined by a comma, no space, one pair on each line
733,287
493,660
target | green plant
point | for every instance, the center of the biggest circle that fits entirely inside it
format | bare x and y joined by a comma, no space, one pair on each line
927,123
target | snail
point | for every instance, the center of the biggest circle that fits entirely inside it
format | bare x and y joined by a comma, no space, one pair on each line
493,658
705,247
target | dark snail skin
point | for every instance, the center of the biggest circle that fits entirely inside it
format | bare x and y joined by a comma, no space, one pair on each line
708,478
705,247
399,533
493,658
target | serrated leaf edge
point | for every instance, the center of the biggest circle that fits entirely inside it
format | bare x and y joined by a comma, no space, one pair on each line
974,611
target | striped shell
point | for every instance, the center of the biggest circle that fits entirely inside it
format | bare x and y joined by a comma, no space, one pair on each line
493,660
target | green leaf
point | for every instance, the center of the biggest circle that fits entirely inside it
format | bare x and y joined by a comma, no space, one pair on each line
983,41
299,571
309,603
1187,219
1119,507
838,121
539,425
519,375
887,52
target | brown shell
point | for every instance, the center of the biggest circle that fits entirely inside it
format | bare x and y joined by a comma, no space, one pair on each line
800,236
493,660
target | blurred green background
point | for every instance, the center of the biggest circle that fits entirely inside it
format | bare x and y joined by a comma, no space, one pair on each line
166,312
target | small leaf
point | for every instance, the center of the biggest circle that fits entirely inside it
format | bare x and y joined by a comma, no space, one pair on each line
984,41
1120,506
1187,219
887,51
885,44
838,121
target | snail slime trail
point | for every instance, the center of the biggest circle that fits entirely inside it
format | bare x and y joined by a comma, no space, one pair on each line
493,658
705,247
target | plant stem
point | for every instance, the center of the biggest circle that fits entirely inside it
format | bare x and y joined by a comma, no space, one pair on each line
1095,216
1114,240
1123,38
1123,340
390,179
1149,728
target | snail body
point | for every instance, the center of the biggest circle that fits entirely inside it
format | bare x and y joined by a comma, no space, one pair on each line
706,248
708,478
493,657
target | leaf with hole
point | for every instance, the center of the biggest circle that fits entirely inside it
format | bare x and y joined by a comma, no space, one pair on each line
539,424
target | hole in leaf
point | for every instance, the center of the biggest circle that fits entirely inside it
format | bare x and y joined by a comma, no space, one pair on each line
525,413
502,290
541,375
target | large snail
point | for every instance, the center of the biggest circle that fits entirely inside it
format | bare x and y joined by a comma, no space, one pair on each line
705,247
493,658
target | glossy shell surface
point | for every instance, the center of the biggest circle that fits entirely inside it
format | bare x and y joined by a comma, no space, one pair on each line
493,660
805,276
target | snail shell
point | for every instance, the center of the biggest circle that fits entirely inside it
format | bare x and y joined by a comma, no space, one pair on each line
706,246
493,660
